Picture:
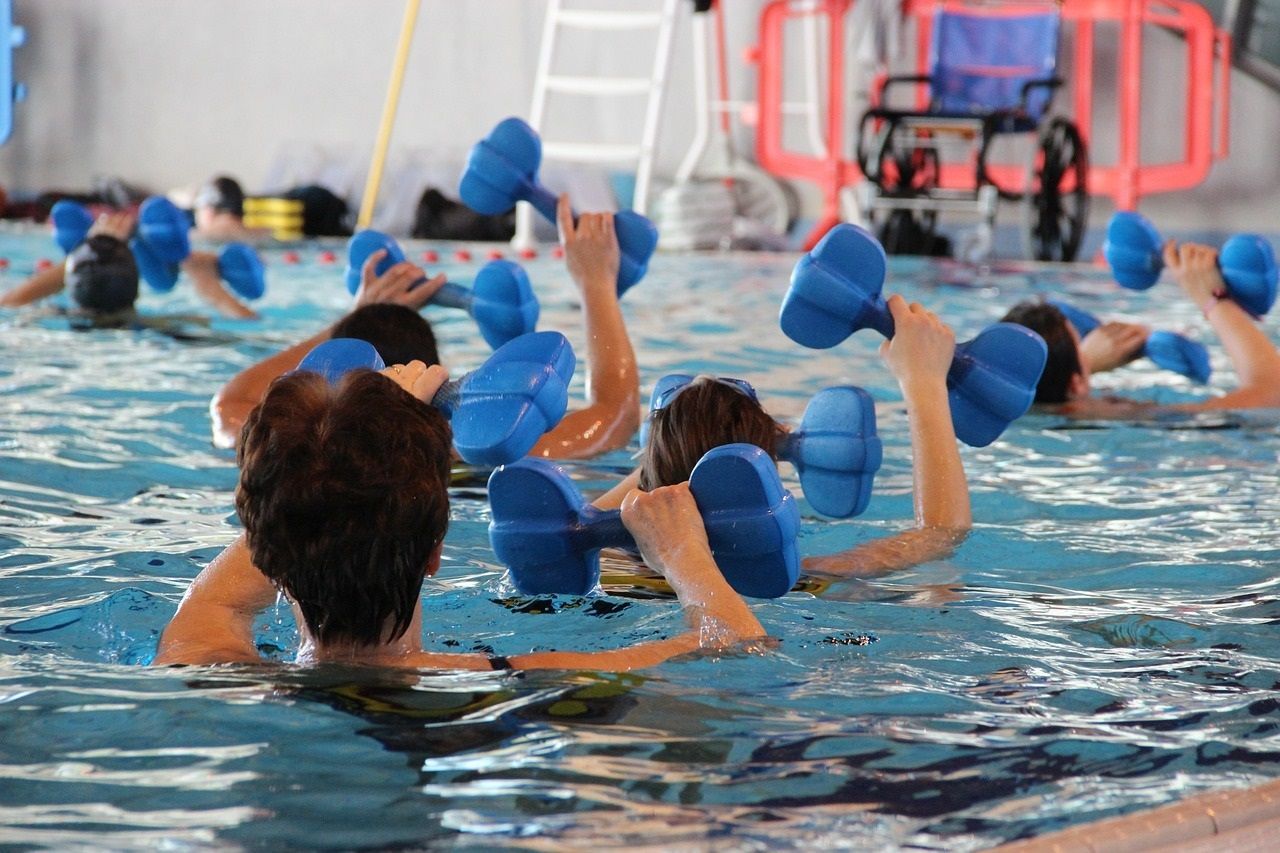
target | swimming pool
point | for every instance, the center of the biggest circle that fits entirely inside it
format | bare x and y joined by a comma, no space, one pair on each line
1103,642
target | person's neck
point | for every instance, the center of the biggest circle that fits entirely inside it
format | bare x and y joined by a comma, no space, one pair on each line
388,652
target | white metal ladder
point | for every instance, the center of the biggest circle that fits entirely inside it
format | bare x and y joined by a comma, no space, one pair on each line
663,20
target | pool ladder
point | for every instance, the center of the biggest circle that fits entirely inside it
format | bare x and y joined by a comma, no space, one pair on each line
662,20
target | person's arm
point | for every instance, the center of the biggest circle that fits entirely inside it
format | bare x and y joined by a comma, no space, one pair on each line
203,269
918,355
612,413
214,622
1254,357
612,499
43,284
667,527
233,402
1113,345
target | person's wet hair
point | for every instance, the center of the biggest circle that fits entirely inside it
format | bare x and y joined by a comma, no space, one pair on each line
399,334
101,276
223,194
704,415
1064,354
344,497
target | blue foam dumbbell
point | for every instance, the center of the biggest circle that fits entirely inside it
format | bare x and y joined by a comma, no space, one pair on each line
835,449
836,290
71,223
502,169
500,409
550,539
500,299
1135,253
1166,349
242,269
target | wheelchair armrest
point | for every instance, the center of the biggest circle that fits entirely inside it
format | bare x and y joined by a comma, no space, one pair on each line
1050,83
902,78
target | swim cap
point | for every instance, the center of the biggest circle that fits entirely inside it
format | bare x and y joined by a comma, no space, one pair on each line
222,193
102,276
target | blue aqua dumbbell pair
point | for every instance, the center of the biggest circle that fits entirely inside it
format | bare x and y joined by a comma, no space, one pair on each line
502,169
500,300
161,244
550,537
836,290
499,410
1166,349
1134,251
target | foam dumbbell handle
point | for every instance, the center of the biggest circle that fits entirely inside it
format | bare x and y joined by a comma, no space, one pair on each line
501,300
164,228
500,409
503,168
550,538
836,451
242,269
1167,350
836,290
71,223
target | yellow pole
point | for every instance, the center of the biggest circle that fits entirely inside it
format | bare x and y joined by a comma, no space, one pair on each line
388,114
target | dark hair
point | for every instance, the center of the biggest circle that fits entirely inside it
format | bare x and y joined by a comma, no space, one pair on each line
1064,354
101,275
344,497
399,334
222,193
705,415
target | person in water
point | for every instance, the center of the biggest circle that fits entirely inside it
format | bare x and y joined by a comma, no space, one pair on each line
385,313
343,492
101,277
1066,381
710,412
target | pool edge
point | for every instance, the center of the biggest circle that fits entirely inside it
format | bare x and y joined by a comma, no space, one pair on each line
1240,819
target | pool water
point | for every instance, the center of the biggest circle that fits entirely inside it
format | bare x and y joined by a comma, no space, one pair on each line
1103,642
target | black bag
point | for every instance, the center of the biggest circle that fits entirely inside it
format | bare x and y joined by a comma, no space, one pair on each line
441,218
323,213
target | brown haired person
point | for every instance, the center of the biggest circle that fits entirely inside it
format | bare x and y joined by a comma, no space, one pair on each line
612,411
1066,381
710,412
343,494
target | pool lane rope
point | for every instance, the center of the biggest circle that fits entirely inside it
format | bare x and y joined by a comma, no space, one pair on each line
388,114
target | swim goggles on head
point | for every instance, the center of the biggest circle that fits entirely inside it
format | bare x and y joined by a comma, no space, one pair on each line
670,386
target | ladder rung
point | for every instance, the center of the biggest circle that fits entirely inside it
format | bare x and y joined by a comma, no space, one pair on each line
601,19
589,153
599,85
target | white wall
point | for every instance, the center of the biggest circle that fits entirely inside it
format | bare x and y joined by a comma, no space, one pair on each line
166,92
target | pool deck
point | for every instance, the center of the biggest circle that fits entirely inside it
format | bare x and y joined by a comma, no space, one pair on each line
1238,820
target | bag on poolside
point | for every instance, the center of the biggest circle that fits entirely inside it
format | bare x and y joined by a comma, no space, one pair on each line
324,214
439,217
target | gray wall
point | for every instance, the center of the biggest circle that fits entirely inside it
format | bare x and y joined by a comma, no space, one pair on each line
166,92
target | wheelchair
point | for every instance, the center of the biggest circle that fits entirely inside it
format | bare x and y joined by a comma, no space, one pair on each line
992,72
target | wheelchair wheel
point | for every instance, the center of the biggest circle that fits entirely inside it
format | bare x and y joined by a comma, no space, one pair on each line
1056,206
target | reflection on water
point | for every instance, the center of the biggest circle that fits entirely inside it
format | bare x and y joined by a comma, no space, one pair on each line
1103,641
